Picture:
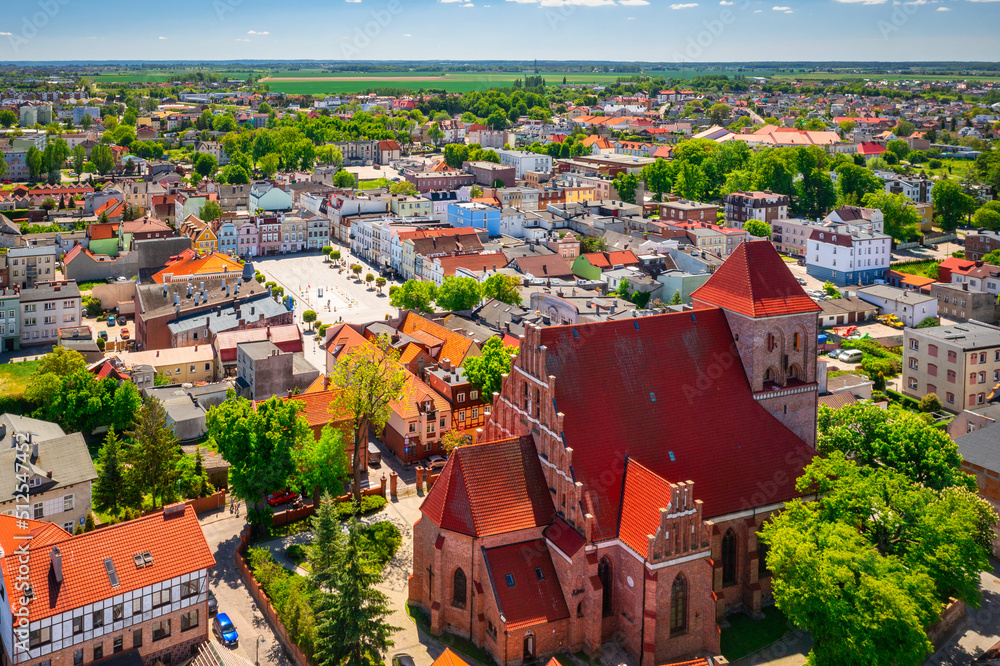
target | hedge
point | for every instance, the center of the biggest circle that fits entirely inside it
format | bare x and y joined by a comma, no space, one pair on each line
369,504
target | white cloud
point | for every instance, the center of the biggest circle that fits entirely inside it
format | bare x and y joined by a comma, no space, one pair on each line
943,9
7,33
685,5
564,3
862,2
776,8
254,32
352,0
633,3
725,3
407,35
241,39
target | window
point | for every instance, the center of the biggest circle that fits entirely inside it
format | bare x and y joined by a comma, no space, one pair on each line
98,651
762,570
915,345
413,427
458,589
981,398
430,427
913,364
952,356
912,384
770,342
729,556
461,397
161,598
189,620
491,630
982,377
189,589
40,636
972,378
118,644
796,341
950,398
932,370
38,511
161,630
78,657
982,355
77,625
117,612
98,619
136,638
473,395
136,606
461,415
952,376
604,574
678,606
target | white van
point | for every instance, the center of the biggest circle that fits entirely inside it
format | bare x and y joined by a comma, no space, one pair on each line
851,355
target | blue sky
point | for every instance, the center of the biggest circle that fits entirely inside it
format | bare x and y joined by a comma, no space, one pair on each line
626,30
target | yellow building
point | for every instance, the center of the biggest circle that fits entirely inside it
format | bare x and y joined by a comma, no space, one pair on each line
183,365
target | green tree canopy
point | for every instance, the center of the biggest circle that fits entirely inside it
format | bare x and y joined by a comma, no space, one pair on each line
625,184
459,293
854,182
951,204
503,288
153,452
416,295
757,228
486,371
902,221
321,465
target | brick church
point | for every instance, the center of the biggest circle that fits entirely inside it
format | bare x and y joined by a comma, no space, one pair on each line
627,468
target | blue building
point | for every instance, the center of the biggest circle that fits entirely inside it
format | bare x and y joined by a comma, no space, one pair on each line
475,215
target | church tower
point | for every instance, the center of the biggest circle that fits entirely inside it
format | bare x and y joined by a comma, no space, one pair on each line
774,325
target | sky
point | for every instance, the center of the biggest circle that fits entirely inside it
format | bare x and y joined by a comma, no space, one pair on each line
618,30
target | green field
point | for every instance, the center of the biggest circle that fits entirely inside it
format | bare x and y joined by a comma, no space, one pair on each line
158,75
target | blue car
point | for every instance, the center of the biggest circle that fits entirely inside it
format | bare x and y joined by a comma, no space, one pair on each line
224,630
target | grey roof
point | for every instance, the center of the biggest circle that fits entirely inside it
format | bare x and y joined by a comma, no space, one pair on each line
47,291
40,430
226,320
66,457
33,251
154,302
300,366
259,350
894,294
981,447
968,335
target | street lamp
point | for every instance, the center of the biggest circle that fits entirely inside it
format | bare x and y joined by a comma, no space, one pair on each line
260,640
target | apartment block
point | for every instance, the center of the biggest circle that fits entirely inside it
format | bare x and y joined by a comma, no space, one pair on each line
960,363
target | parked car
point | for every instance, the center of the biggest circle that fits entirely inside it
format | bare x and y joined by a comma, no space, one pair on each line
436,462
111,320
103,334
225,631
121,320
213,604
282,496
835,354
851,356
402,659
125,334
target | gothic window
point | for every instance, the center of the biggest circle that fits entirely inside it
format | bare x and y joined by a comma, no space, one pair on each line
762,570
729,558
458,593
678,606
604,574
771,342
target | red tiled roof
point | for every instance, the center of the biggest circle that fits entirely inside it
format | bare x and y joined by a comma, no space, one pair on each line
449,658
535,596
491,488
316,407
755,282
564,537
175,541
643,495
103,231
609,259
711,432
455,348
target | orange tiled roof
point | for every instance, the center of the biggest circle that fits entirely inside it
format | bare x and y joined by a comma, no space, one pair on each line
209,264
455,347
644,494
85,578
525,584
449,658
414,394
316,407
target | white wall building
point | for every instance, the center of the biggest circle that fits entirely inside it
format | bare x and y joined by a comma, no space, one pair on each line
524,161
846,255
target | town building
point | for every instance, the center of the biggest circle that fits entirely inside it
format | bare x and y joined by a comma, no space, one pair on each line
911,307
980,243
959,302
10,319
960,363
846,255
139,585
263,370
575,526
683,210
47,307
765,206
524,161
27,266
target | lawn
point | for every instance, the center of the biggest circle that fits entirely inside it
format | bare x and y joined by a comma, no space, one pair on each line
926,268
745,636
456,643
14,377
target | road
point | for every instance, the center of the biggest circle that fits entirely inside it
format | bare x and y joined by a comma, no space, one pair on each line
222,533
303,276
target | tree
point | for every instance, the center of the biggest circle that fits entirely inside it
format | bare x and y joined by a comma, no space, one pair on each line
830,289
112,490
35,161
61,361
331,155
205,165
309,316
257,444
455,154
846,127
854,182
435,134
899,148
369,278
503,288
657,177
102,159
327,544
718,113
403,187
451,440
380,283
625,184
210,211
86,121
497,120
894,439
269,165
902,221
79,160
153,452
930,403
905,128
7,118
866,566
459,293
353,630
486,371
988,216
676,298
816,193
321,465
951,204
126,402
414,295
370,380
344,179
757,228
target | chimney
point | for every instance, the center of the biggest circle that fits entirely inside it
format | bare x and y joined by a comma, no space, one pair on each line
165,288
157,353
56,556
49,473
